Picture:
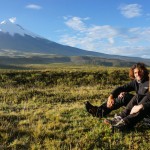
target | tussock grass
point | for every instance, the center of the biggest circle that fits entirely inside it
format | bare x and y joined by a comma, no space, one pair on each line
36,113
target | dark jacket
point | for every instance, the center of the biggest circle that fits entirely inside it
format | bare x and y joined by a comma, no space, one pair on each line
146,105
141,90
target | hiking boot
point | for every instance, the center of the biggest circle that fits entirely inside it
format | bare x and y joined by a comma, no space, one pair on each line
146,122
93,110
113,121
120,126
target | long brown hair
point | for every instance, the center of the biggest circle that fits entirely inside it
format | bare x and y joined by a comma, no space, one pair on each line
140,66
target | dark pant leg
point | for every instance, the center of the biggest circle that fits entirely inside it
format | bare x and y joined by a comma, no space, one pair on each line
126,111
133,119
104,110
119,102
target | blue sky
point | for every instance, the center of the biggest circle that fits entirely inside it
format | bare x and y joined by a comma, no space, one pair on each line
120,27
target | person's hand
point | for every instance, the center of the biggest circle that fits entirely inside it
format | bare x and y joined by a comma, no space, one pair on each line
136,109
110,101
121,95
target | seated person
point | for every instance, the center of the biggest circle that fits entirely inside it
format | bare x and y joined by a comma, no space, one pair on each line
140,84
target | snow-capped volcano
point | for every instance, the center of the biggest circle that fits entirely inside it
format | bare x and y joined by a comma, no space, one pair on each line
12,28
15,41
14,38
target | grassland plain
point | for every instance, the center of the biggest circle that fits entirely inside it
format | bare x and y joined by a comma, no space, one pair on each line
42,108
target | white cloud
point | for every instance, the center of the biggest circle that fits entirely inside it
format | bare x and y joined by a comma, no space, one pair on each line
89,38
76,23
111,40
106,38
13,19
131,10
137,51
100,32
135,35
68,40
33,6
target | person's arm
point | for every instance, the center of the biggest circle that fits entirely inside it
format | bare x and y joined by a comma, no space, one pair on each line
144,105
136,109
110,101
114,94
125,88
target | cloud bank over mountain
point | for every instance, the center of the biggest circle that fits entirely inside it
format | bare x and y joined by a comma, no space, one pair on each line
109,39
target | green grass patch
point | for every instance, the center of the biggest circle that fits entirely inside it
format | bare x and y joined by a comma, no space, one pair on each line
44,109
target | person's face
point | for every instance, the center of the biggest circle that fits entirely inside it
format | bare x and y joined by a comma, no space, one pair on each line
138,74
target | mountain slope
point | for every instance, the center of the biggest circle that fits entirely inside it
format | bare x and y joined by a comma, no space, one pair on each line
14,40
15,37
